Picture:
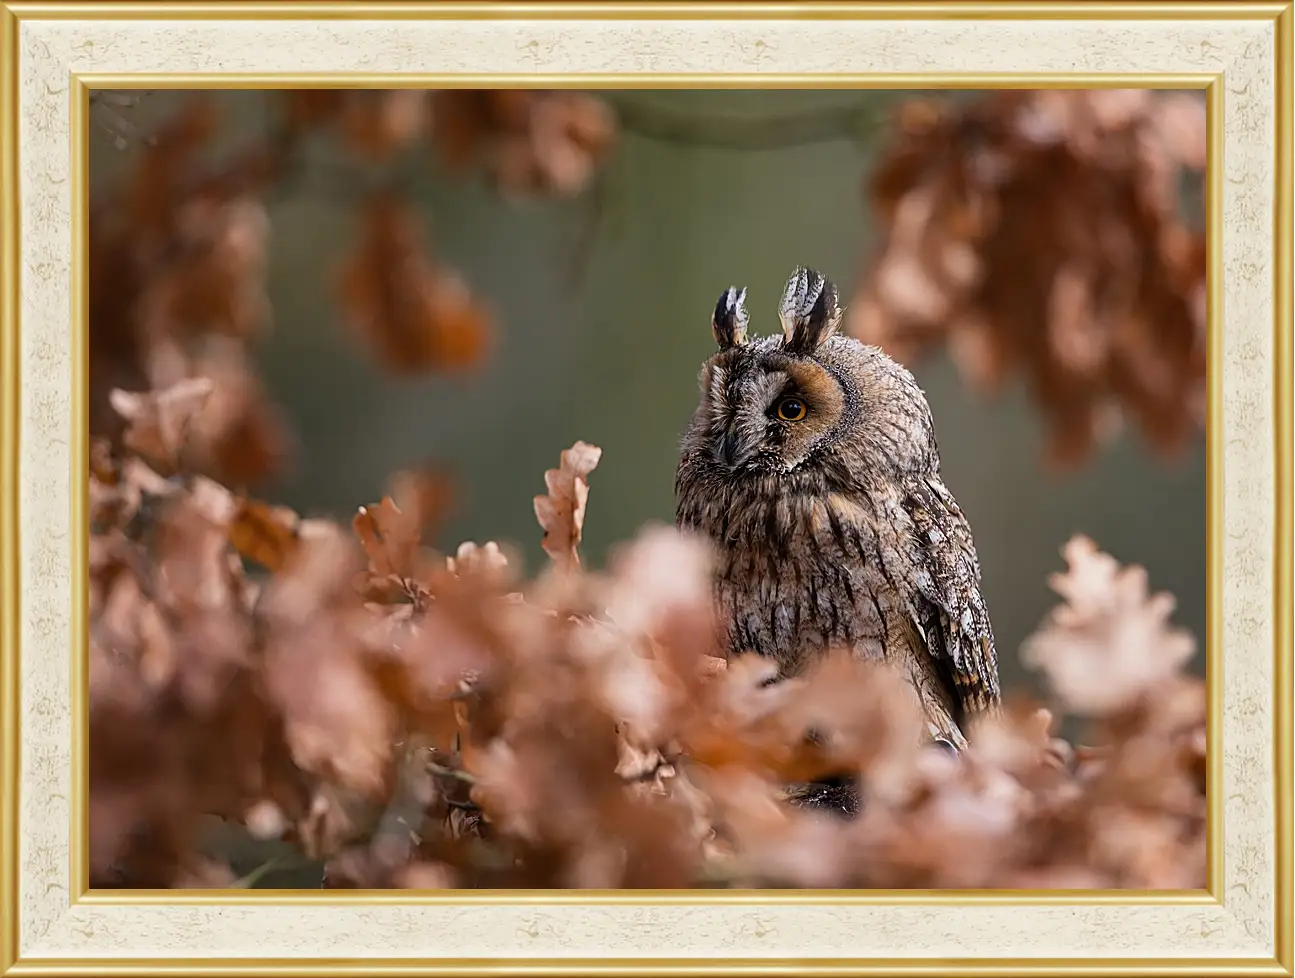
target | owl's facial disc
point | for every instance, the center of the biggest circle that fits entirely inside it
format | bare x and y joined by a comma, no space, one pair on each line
769,413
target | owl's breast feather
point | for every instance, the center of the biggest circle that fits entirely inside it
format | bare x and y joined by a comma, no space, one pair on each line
791,591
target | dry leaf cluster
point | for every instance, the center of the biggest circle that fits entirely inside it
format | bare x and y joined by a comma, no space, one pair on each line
414,314
177,255
422,721
1042,233
528,141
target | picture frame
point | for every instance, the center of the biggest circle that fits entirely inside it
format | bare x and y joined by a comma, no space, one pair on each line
55,54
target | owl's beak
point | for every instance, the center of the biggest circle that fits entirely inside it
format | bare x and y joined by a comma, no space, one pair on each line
735,447
729,446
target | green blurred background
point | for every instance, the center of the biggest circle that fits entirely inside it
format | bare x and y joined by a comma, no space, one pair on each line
602,308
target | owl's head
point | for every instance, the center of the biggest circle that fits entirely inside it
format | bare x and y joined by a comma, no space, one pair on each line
809,401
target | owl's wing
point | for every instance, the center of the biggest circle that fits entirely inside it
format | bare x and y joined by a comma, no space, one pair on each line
949,606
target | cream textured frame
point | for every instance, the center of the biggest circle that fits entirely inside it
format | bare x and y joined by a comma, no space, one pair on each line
54,53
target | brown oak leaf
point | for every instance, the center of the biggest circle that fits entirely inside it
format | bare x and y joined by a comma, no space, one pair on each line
561,513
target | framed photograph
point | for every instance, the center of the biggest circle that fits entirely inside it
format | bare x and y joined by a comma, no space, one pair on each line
646,488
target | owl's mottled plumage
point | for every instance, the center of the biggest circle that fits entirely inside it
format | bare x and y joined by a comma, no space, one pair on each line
833,529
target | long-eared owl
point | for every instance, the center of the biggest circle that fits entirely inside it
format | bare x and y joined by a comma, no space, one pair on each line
811,464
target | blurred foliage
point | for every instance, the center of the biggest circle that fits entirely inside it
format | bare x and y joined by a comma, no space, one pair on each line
1044,232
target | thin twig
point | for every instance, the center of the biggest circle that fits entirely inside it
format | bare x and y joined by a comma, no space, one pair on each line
450,772
250,879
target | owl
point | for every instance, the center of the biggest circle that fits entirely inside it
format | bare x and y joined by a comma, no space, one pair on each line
811,465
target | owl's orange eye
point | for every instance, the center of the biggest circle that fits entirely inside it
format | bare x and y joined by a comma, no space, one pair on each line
792,409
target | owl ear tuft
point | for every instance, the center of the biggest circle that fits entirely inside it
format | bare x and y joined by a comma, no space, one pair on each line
728,323
809,310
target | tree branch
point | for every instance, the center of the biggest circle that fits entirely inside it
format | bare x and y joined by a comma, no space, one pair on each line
836,123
